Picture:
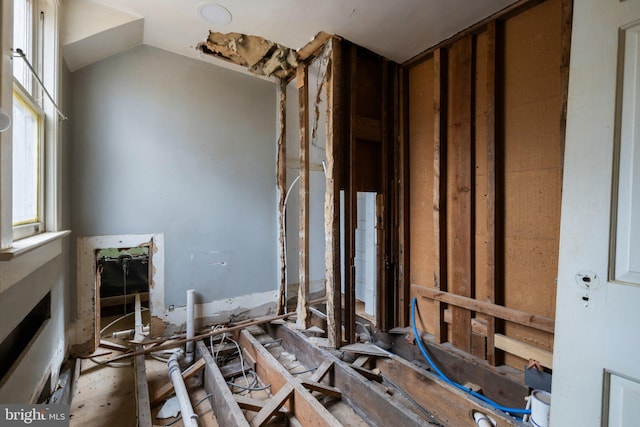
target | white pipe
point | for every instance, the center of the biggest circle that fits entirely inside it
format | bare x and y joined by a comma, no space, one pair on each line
189,418
190,322
481,419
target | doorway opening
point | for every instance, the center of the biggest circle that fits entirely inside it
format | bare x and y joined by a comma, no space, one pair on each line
365,260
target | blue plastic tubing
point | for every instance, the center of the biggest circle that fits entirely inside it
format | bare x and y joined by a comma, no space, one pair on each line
455,384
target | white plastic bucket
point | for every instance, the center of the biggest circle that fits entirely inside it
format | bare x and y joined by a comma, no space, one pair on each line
540,408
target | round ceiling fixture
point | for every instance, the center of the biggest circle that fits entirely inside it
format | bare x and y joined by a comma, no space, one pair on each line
214,13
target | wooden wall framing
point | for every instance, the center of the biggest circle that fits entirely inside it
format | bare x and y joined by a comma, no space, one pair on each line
483,125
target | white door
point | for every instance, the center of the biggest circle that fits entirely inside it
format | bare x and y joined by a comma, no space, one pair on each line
596,377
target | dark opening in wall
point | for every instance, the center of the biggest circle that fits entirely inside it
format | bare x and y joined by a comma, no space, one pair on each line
123,272
15,344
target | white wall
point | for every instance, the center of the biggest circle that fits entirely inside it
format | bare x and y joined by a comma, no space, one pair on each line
166,144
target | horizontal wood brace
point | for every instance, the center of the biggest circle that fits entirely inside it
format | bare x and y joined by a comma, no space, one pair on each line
516,316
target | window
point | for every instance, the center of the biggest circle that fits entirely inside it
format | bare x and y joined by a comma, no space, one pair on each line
34,118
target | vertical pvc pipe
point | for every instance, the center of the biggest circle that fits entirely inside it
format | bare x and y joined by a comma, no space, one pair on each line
190,326
189,418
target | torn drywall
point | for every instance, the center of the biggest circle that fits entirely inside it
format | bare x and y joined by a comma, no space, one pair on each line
262,57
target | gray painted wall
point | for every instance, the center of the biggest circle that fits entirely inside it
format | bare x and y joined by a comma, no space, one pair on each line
166,144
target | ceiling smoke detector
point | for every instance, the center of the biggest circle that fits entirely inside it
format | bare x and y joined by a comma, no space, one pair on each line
214,13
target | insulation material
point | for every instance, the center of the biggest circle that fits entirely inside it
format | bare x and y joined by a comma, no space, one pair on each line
262,57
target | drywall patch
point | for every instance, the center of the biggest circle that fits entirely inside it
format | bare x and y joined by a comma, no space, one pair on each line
261,56
222,311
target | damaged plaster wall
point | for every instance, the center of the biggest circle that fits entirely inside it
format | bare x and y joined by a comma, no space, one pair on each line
167,144
317,184
261,56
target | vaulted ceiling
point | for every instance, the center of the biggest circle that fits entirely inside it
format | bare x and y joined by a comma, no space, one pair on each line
395,29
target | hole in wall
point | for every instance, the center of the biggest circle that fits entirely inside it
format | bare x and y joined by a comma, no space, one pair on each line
15,344
121,273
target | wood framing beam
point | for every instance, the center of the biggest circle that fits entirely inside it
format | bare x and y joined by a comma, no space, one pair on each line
312,48
404,296
281,165
513,9
224,405
373,404
351,205
445,402
174,342
322,388
509,314
322,370
332,198
166,390
491,186
303,245
439,188
254,405
459,146
305,407
524,350
272,406
143,406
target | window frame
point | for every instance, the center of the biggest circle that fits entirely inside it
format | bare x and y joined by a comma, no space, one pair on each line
45,59
31,227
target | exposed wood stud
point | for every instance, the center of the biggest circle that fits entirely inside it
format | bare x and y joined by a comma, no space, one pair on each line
513,9
439,188
351,206
332,197
403,203
491,185
312,48
282,191
516,316
459,144
303,246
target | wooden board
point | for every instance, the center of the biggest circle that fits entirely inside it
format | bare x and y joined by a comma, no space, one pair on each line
166,390
422,212
303,222
459,189
440,241
332,199
448,404
521,317
225,408
307,409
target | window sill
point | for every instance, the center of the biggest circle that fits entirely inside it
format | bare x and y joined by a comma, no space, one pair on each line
28,244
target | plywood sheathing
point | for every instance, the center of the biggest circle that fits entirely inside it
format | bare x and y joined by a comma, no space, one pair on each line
262,57
532,166
515,149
